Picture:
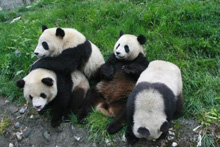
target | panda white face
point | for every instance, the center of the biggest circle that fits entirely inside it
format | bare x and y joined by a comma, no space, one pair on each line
49,44
128,47
40,87
53,41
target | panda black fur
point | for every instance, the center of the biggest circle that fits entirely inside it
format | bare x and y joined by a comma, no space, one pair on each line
120,74
64,50
63,93
155,101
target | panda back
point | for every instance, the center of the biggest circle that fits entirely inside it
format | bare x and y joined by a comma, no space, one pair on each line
163,72
94,62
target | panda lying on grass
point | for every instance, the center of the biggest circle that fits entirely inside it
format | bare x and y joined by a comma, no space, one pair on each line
154,102
120,74
63,93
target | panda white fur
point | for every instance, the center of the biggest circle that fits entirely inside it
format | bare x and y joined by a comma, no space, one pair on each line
66,49
154,102
120,74
62,93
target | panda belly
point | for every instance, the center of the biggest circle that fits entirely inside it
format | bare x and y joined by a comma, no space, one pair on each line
115,93
94,62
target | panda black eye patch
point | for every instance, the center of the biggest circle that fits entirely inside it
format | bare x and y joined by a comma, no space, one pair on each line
126,48
45,45
118,46
30,97
43,95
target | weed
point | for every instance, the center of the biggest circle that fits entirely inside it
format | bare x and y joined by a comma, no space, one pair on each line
4,124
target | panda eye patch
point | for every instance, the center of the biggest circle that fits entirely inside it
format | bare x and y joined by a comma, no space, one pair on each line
126,49
30,97
45,45
118,46
43,95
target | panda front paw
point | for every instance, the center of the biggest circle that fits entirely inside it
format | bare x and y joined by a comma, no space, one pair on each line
55,123
131,139
107,72
127,69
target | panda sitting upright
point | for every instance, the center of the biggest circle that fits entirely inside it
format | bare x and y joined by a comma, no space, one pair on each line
120,74
63,93
64,50
154,102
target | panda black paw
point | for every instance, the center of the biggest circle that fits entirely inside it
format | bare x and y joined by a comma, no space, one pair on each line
81,117
127,69
131,139
114,128
107,72
55,123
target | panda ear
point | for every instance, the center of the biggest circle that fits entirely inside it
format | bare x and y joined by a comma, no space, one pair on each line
20,83
121,33
165,127
47,81
141,39
60,32
44,27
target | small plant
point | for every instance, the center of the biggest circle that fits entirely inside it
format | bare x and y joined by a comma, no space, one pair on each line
4,124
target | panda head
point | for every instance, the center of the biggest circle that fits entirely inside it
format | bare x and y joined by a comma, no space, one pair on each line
129,46
50,42
40,87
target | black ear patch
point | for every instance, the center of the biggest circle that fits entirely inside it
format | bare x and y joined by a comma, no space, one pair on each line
143,131
141,39
47,81
60,32
121,33
20,83
165,127
44,27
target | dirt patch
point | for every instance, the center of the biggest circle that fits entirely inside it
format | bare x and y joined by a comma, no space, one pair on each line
36,131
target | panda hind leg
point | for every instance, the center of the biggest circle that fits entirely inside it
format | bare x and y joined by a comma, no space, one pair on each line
117,124
78,96
93,97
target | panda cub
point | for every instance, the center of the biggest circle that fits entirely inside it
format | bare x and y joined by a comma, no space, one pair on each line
65,50
48,89
154,102
120,74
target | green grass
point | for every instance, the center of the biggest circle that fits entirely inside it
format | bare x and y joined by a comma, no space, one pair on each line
185,32
4,124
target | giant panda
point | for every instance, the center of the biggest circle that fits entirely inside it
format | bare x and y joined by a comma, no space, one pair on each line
66,49
154,102
63,93
119,73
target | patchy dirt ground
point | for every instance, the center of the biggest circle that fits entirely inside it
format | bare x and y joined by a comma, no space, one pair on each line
30,129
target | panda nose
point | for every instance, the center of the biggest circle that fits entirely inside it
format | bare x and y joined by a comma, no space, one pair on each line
117,53
37,107
36,53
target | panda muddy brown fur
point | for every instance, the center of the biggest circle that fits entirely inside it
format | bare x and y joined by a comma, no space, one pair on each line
119,75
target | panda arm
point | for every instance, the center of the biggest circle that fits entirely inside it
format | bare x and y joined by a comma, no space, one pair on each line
67,61
107,69
60,105
136,67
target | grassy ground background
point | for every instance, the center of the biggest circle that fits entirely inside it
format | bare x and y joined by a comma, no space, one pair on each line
185,32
